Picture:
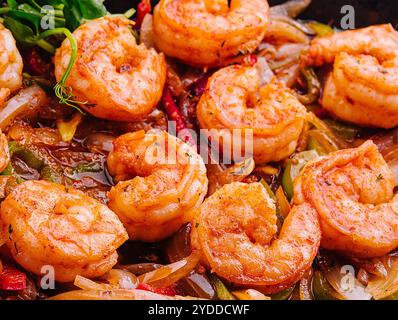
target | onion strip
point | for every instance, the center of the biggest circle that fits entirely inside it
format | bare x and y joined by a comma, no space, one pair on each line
383,287
168,275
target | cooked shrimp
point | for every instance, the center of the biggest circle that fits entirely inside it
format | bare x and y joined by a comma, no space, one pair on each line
235,234
233,100
4,153
363,86
352,190
118,79
49,224
206,33
10,62
161,183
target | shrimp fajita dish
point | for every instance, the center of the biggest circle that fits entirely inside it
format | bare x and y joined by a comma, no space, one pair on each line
196,149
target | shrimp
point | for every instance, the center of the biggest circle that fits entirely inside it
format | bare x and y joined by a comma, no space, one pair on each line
118,79
205,33
49,224
10,62
4,152
352,190
161,183
363,86
233,100
235,233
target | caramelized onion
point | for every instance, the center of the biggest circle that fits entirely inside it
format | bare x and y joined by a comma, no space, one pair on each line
384,287
354,292
305,286
122,279
218,176
99,142
114,295
168,275
290,8
146,33
141,268
26,103
250,294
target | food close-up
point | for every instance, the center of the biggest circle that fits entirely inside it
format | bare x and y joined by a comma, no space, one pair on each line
198,150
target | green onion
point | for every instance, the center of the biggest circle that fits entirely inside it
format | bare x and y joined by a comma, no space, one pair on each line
63,92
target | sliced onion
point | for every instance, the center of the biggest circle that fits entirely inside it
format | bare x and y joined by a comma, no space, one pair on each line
375,266
363,277
198,285
146,33
250,294
179,245
114,295
141,268
219,177
27,135
87,284
282,31
382,287
167,275
290,8
99,142
305,286
322,126
335,278
121,279
386,141
26,103
296,24
264,71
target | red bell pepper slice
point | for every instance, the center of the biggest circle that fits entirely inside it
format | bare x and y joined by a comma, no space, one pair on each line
12,279
168,291
143,8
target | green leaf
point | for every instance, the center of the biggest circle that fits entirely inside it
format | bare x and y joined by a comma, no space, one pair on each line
21,32
77,12
91,9
27,15
12,3
25,7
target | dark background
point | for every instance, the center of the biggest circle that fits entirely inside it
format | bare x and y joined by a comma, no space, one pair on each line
368,12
